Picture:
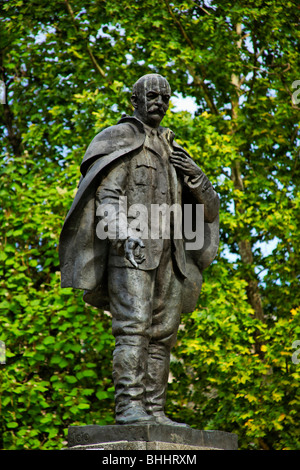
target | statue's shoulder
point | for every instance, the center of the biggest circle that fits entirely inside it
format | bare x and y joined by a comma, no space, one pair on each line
127,128
128,134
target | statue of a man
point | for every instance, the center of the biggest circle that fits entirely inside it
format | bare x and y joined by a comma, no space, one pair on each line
144,279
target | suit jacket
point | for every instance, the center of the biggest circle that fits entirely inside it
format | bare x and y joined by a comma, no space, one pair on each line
119,161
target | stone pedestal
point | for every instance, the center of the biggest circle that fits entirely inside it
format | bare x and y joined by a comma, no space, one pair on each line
148,437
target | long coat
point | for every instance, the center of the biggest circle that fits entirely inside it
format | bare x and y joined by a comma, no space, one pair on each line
83,256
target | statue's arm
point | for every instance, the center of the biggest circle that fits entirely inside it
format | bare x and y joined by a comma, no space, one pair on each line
198,183
204,193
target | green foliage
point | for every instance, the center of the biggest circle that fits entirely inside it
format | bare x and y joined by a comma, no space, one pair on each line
68,68
58,365
223,383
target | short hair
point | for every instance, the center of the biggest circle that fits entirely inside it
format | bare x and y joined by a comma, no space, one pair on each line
140,84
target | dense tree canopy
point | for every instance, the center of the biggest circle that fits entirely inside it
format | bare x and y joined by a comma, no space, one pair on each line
67,68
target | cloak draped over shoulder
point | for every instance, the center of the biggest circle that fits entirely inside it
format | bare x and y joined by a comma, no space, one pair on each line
83,256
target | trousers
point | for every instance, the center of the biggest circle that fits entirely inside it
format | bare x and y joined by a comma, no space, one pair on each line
146,308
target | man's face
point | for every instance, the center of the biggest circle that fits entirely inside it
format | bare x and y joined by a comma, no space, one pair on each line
152,100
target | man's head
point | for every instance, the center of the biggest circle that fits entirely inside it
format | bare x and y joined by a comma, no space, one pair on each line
150,98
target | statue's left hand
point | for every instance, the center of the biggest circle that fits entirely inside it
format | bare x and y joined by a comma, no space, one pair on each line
184,163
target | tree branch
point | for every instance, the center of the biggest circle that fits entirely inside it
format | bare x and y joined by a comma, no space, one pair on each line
179,25
14,136
198,81
245,248
89,50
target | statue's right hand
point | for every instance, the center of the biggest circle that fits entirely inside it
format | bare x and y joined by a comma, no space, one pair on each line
132,248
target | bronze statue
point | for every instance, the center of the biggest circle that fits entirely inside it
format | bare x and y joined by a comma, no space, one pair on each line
145,281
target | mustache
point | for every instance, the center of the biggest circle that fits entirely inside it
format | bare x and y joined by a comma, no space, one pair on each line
156,107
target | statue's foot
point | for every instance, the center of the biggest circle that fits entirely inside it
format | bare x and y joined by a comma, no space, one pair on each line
161,418
135,415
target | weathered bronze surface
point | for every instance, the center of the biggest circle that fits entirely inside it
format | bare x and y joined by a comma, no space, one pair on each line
144,278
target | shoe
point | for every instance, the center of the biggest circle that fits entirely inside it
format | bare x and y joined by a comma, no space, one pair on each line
135,415
161,418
